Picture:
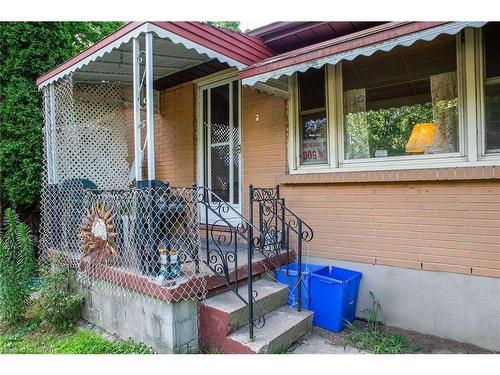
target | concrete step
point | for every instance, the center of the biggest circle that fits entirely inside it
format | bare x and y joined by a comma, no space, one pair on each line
234,312
283,327
260,265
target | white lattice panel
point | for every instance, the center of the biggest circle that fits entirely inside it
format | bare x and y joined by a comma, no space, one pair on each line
156,231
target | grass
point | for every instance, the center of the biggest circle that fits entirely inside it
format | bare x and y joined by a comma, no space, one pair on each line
373,338
379,342
30,338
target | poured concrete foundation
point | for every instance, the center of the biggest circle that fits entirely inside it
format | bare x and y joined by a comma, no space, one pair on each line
464,308
164,326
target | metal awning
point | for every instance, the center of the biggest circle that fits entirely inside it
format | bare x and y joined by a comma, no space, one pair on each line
365,43
177,46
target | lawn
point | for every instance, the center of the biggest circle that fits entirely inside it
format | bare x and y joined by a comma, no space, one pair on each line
30,338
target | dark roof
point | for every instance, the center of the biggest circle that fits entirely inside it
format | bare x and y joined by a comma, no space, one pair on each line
286,36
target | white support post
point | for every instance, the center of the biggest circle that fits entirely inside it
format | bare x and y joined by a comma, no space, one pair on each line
53,172
47,130
150,107
137,109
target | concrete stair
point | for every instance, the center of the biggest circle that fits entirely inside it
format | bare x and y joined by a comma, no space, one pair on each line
283,327
224,321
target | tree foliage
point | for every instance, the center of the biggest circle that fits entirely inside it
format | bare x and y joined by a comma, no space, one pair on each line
230,25
28,50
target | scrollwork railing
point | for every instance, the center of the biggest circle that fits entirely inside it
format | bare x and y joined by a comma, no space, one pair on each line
277,224
223,240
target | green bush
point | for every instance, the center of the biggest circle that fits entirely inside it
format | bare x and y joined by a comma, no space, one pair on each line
58,305
16,267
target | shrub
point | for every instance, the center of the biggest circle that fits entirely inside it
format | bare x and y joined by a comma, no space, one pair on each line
58,305
16,267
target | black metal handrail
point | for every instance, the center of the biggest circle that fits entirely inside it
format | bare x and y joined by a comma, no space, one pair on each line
273,213
225,249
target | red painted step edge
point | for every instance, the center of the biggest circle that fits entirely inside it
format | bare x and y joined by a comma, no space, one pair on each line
214,324
213,327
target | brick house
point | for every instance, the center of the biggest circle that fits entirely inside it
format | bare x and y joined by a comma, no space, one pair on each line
382,137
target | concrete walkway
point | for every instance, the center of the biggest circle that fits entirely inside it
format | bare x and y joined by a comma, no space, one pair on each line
314,343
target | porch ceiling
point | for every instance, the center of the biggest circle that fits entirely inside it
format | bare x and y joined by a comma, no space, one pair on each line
177,46
168,58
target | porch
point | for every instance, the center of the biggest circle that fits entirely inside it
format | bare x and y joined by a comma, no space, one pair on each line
128,231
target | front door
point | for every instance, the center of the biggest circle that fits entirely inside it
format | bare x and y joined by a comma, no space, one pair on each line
221,148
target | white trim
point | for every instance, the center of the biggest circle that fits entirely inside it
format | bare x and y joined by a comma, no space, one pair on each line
332,116
470,96
450,28
150,121
217,77
337,162
292,120
137,110
480,83
226,77
457,162
177,39
272,90
144,28
100,53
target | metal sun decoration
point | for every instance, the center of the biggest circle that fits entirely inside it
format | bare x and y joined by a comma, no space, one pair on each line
97,236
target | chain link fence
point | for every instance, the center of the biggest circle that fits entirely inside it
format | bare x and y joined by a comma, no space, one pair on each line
138,240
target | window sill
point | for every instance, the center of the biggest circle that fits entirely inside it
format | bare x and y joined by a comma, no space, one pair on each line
342,176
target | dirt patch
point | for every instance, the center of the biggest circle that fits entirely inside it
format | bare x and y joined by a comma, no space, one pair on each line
428,344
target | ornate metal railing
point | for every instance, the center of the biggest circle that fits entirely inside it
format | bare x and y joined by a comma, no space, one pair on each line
223,246
268,230
277,225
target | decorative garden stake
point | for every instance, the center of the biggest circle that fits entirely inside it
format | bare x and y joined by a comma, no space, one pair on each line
97,236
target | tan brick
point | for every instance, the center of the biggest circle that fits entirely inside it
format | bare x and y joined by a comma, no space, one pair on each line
398,263
446,268
447,219
485,272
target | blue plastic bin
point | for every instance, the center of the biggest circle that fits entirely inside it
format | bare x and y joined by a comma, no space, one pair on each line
334,297
291,280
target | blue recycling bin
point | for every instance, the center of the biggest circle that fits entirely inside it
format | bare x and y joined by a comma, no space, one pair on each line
334,297
290,278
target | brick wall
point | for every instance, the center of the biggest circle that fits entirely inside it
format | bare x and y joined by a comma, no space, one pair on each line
451,226
175,142
263,141
435,226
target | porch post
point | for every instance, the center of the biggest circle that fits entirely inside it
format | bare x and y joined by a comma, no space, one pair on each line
150,107
137,109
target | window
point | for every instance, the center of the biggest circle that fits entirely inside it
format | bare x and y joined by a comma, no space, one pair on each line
313,127
402,103
433,104
491,81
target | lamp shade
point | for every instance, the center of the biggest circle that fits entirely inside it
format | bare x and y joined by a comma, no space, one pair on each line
422,136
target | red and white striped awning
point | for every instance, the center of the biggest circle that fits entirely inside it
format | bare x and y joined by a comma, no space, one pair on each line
364,43
177,46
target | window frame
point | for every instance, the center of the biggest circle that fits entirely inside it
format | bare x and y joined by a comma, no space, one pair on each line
297,131
466,45
480,83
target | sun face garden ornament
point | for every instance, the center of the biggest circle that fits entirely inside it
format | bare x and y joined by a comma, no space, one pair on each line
97,236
